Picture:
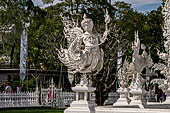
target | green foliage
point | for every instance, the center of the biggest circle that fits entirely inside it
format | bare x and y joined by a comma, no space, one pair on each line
45,34
14,14
152,34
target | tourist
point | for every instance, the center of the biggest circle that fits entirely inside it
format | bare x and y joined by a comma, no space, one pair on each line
160,95
8,88
163,96
18,89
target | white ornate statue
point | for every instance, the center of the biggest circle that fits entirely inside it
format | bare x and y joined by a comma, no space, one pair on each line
165,67
123,80
123,86
139,62
83,54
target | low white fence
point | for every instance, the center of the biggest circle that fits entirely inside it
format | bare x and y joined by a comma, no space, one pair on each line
24,99
31,99
48,97
56,97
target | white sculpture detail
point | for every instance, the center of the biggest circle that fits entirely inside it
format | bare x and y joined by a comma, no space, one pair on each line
139,62
123,86
165,67
134,70
83,54
123,80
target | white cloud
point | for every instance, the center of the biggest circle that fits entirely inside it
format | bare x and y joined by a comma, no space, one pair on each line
37,2
143,5
141,2
136,4
133,2
40,3
55,2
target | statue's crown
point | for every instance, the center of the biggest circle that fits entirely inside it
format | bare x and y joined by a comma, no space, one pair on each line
86,21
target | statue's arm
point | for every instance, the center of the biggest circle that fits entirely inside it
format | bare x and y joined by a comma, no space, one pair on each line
138,45
107,31
104,37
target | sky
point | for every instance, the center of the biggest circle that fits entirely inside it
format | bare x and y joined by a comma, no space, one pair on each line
139,5
143,5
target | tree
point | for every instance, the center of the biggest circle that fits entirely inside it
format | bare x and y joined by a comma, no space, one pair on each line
153,33
45,34
14,15
95,10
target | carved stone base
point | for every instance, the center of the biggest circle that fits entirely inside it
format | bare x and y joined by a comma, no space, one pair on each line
123,100
84,102
105,109
136,100
81,106
167,101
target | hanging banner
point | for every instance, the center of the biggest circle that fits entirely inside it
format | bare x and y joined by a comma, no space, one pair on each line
23,55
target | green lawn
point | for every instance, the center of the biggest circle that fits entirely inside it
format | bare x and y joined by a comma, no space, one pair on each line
33,111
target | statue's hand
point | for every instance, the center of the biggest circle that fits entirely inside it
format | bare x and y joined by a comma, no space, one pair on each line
106,34
107,18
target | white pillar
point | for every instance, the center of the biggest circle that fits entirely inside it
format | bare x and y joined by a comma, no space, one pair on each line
83,103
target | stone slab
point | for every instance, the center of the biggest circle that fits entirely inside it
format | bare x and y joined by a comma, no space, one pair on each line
121,102
81,107
129,110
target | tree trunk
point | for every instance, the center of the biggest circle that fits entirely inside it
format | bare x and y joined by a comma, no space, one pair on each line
101,95
12,54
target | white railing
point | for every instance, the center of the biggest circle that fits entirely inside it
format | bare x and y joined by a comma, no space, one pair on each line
23,99
56,97
49,97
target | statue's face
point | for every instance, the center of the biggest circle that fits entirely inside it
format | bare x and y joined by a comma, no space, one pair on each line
87,25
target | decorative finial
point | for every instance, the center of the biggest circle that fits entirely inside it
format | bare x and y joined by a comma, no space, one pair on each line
107,19
136,34
107,12
85,16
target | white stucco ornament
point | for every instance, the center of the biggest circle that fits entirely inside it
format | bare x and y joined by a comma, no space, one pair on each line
83,54
165,66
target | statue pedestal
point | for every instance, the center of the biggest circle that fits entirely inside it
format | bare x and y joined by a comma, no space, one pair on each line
84,102
123,100
137,97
